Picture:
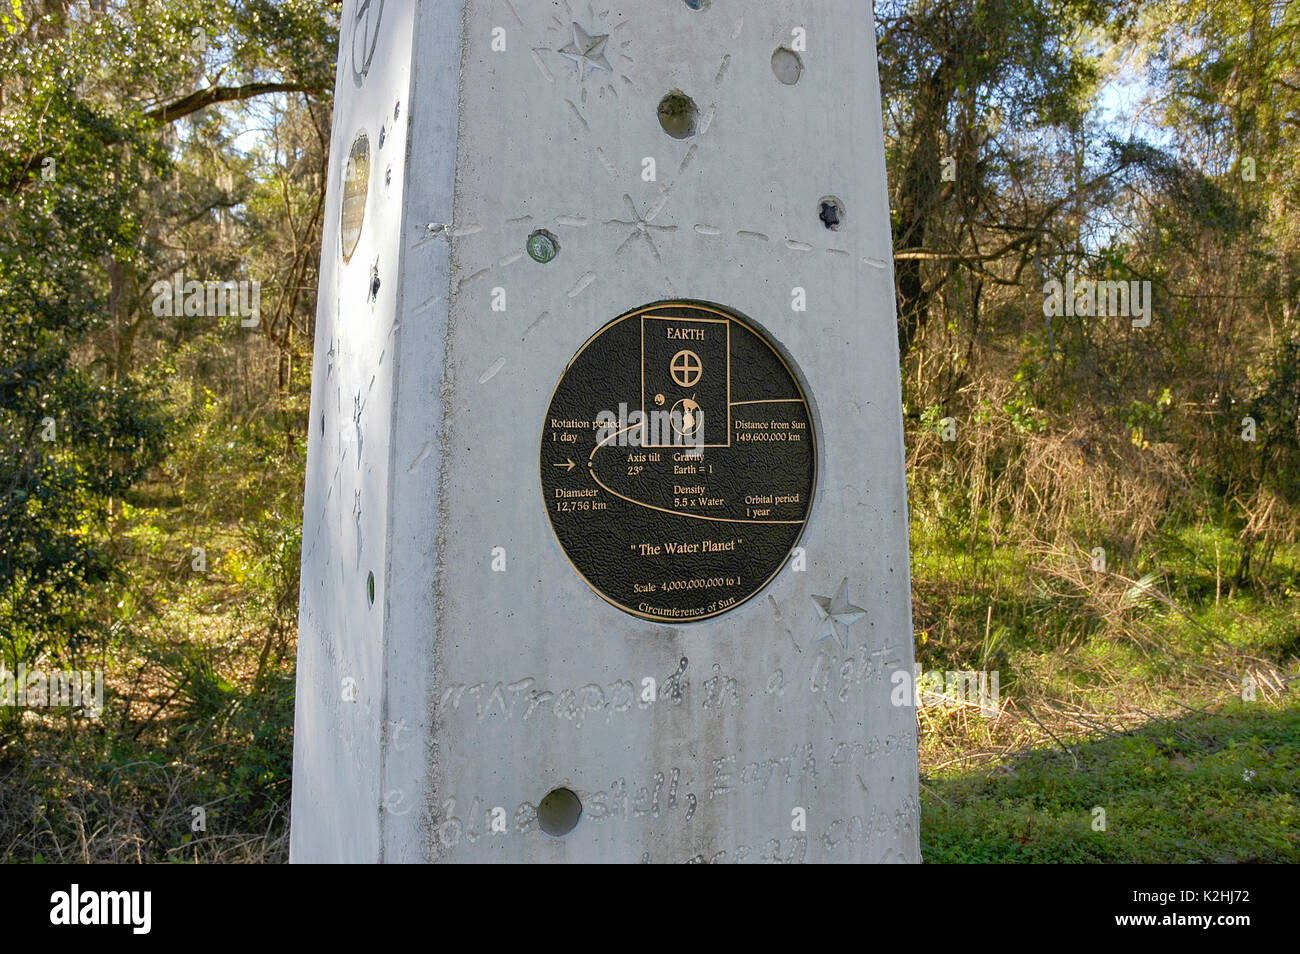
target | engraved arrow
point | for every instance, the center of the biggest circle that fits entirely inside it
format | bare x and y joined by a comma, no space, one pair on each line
567,466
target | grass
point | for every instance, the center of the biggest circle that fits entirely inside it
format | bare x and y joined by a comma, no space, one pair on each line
1117,698
1207,787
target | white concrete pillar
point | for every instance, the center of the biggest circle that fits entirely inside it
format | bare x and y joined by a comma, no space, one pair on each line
558,209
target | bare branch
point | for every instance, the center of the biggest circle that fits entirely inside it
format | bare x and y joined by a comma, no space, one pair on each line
202,98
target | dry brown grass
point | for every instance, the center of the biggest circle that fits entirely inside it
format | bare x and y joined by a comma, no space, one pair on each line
81,810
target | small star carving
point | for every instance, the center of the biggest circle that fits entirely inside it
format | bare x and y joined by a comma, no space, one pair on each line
641,226
836,615
587,52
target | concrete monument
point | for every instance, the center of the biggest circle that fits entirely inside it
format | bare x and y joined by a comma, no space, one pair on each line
605,536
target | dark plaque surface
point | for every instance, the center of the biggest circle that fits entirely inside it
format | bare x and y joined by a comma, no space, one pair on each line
677,461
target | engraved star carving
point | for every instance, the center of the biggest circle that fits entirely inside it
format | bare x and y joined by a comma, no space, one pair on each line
641,226
836,615
587,52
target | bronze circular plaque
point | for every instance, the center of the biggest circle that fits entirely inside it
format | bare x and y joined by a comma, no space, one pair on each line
356,185
678,461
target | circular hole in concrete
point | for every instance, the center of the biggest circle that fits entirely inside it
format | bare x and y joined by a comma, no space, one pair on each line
558,812
831,211
787,65
679,115
697,4
542,246
370,588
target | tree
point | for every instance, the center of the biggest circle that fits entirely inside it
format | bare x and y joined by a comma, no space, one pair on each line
89,95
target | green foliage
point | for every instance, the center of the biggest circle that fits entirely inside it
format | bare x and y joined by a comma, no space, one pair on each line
1204,788
130,442
71,436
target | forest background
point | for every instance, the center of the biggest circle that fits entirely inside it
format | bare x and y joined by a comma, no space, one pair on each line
1105,514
